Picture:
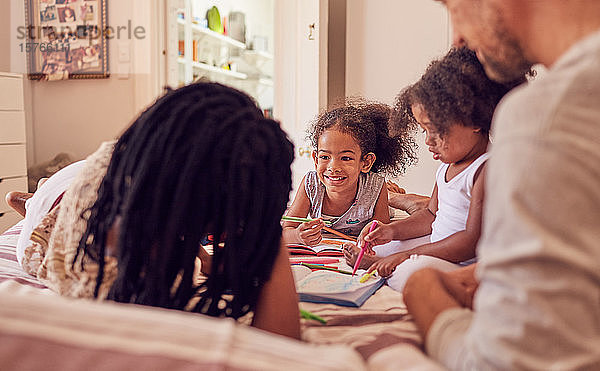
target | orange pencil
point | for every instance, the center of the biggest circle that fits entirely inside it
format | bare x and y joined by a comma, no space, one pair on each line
340,234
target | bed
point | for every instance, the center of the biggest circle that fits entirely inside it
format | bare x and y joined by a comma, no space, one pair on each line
41,330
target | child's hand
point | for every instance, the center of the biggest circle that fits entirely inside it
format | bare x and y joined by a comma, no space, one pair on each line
310,232
386,266
380,235
205,261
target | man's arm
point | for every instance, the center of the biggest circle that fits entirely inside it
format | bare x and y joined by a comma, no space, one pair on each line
429,292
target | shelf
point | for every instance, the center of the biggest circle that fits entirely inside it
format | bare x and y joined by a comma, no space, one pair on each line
257,56
215,70
264,81
215,37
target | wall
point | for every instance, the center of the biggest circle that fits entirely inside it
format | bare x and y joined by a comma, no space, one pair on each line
75,116
5,37
390,43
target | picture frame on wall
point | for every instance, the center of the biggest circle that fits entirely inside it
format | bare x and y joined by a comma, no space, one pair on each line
66,39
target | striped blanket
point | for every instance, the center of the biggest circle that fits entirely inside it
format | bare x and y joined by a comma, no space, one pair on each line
380,331
10,269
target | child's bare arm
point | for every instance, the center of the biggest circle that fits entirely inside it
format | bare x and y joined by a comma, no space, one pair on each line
277,306
382,211
416,225
306,233
461,245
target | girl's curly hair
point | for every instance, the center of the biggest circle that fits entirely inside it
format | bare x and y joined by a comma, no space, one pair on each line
453,90
368,123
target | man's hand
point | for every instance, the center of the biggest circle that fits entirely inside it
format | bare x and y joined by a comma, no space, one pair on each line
461,284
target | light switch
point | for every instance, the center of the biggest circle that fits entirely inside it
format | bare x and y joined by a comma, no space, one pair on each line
124,52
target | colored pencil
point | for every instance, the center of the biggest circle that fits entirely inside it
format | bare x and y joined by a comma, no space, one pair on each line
366,277
362,249
326,241
313,260
301,220
340,234
322,267
308,315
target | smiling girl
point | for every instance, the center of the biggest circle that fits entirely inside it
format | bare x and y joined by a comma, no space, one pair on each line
352,145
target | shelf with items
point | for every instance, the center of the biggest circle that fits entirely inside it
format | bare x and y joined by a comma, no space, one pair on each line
239,57
256,64
209,36
212,70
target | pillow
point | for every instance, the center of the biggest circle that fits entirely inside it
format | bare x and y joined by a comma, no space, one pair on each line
42,200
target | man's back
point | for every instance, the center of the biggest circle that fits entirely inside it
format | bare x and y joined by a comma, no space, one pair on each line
539,300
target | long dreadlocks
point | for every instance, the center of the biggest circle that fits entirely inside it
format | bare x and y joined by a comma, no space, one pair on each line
201,160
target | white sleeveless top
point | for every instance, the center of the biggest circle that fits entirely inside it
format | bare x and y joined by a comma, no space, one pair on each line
454,199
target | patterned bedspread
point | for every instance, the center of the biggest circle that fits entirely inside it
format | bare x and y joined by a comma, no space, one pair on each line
9,266
381,330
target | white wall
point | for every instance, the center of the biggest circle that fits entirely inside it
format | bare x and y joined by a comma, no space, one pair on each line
389,45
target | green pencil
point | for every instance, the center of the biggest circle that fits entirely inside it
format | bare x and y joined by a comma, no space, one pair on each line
308,315
317,266
301,220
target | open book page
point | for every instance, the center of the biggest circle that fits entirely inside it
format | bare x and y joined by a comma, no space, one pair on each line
300,271
324,286
327,247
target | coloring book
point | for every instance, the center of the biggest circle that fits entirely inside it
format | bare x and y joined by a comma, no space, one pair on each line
323,286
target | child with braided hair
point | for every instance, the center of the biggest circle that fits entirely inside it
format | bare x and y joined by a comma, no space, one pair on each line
352,146
201,160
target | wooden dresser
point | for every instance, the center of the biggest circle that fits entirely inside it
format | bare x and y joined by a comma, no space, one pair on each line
13,155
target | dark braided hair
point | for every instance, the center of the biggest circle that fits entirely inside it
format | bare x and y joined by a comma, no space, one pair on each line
201,160
368,123
453,90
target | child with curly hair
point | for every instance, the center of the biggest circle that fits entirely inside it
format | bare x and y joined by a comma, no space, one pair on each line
352,145
453,103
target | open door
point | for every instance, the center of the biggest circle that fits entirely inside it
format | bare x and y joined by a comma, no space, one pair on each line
309,68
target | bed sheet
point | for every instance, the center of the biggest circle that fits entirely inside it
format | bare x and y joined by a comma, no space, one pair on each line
381,330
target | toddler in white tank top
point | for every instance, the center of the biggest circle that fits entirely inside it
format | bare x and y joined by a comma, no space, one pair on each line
453,103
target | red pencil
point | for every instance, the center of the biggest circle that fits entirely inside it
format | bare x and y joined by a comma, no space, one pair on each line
363,248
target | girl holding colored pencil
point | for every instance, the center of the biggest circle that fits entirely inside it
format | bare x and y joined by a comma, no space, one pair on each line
352,146
453,103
